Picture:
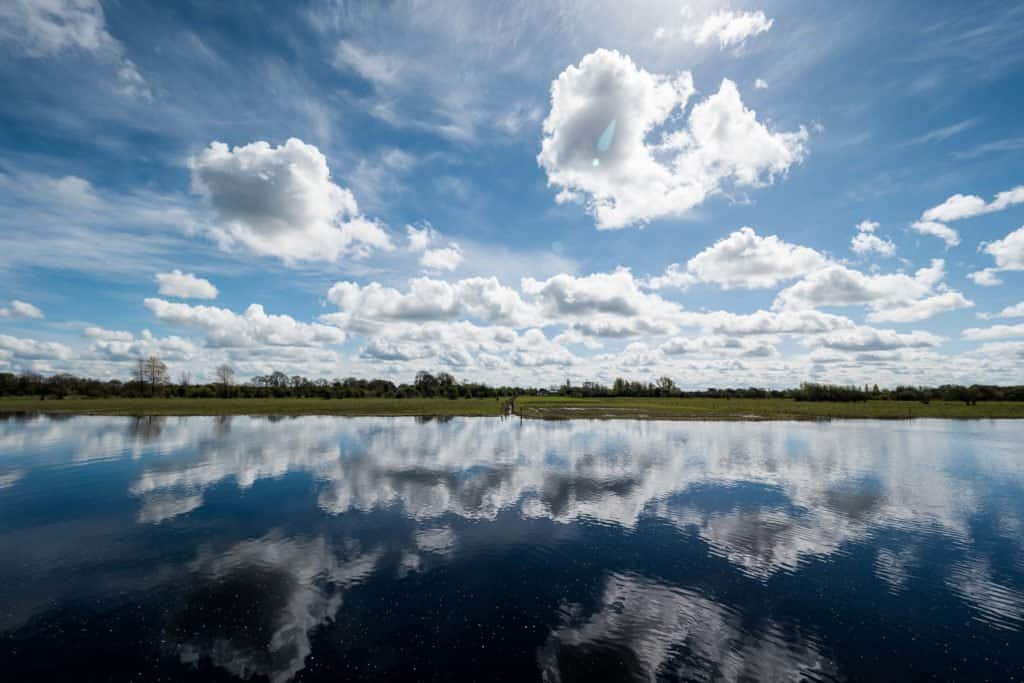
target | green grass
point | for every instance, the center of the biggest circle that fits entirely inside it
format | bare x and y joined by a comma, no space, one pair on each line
558,407
543,407
257,406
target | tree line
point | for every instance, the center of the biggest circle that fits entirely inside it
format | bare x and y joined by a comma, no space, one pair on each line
970,395
149,377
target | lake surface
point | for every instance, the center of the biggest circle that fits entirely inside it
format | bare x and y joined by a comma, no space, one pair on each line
326,548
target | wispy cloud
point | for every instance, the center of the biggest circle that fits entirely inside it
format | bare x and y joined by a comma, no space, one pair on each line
944,133
994,147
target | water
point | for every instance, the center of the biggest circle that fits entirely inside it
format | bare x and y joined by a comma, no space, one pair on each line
322,548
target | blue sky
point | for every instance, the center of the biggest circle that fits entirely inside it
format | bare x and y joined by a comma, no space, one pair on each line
721,193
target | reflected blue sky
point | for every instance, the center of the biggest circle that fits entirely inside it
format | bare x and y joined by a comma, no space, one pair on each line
317,547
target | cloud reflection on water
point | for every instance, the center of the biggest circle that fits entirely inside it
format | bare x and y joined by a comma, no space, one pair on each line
837,482
254,606
768,498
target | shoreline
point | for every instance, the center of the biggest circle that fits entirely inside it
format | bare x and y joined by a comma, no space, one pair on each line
540,408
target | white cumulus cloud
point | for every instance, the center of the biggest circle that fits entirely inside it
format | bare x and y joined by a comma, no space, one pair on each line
281,201
428,299
443,258
895,297
1009,251
744,260
961,206
185,285
599,142
866,241
118,345
1008,254
922,309
617,293
33,349
420,238
987,277
1015,311
434,259
225,328
945,233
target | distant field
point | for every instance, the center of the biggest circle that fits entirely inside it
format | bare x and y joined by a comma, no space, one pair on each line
544,407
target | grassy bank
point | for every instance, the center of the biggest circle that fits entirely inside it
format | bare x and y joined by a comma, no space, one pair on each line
473,407
542,407
558,407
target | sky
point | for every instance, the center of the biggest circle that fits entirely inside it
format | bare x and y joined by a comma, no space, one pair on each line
522,192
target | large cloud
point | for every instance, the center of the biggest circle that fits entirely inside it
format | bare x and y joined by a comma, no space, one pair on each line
438,319
225,328
744,260
599,140
281,201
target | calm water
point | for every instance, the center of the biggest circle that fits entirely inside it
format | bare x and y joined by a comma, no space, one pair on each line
322,548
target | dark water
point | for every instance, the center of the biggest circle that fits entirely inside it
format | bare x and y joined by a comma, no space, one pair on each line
322,548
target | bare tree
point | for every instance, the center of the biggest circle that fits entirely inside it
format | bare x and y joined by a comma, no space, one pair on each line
185,378
139,375
225,377
155,373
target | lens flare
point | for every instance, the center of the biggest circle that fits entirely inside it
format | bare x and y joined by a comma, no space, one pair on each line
604,142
